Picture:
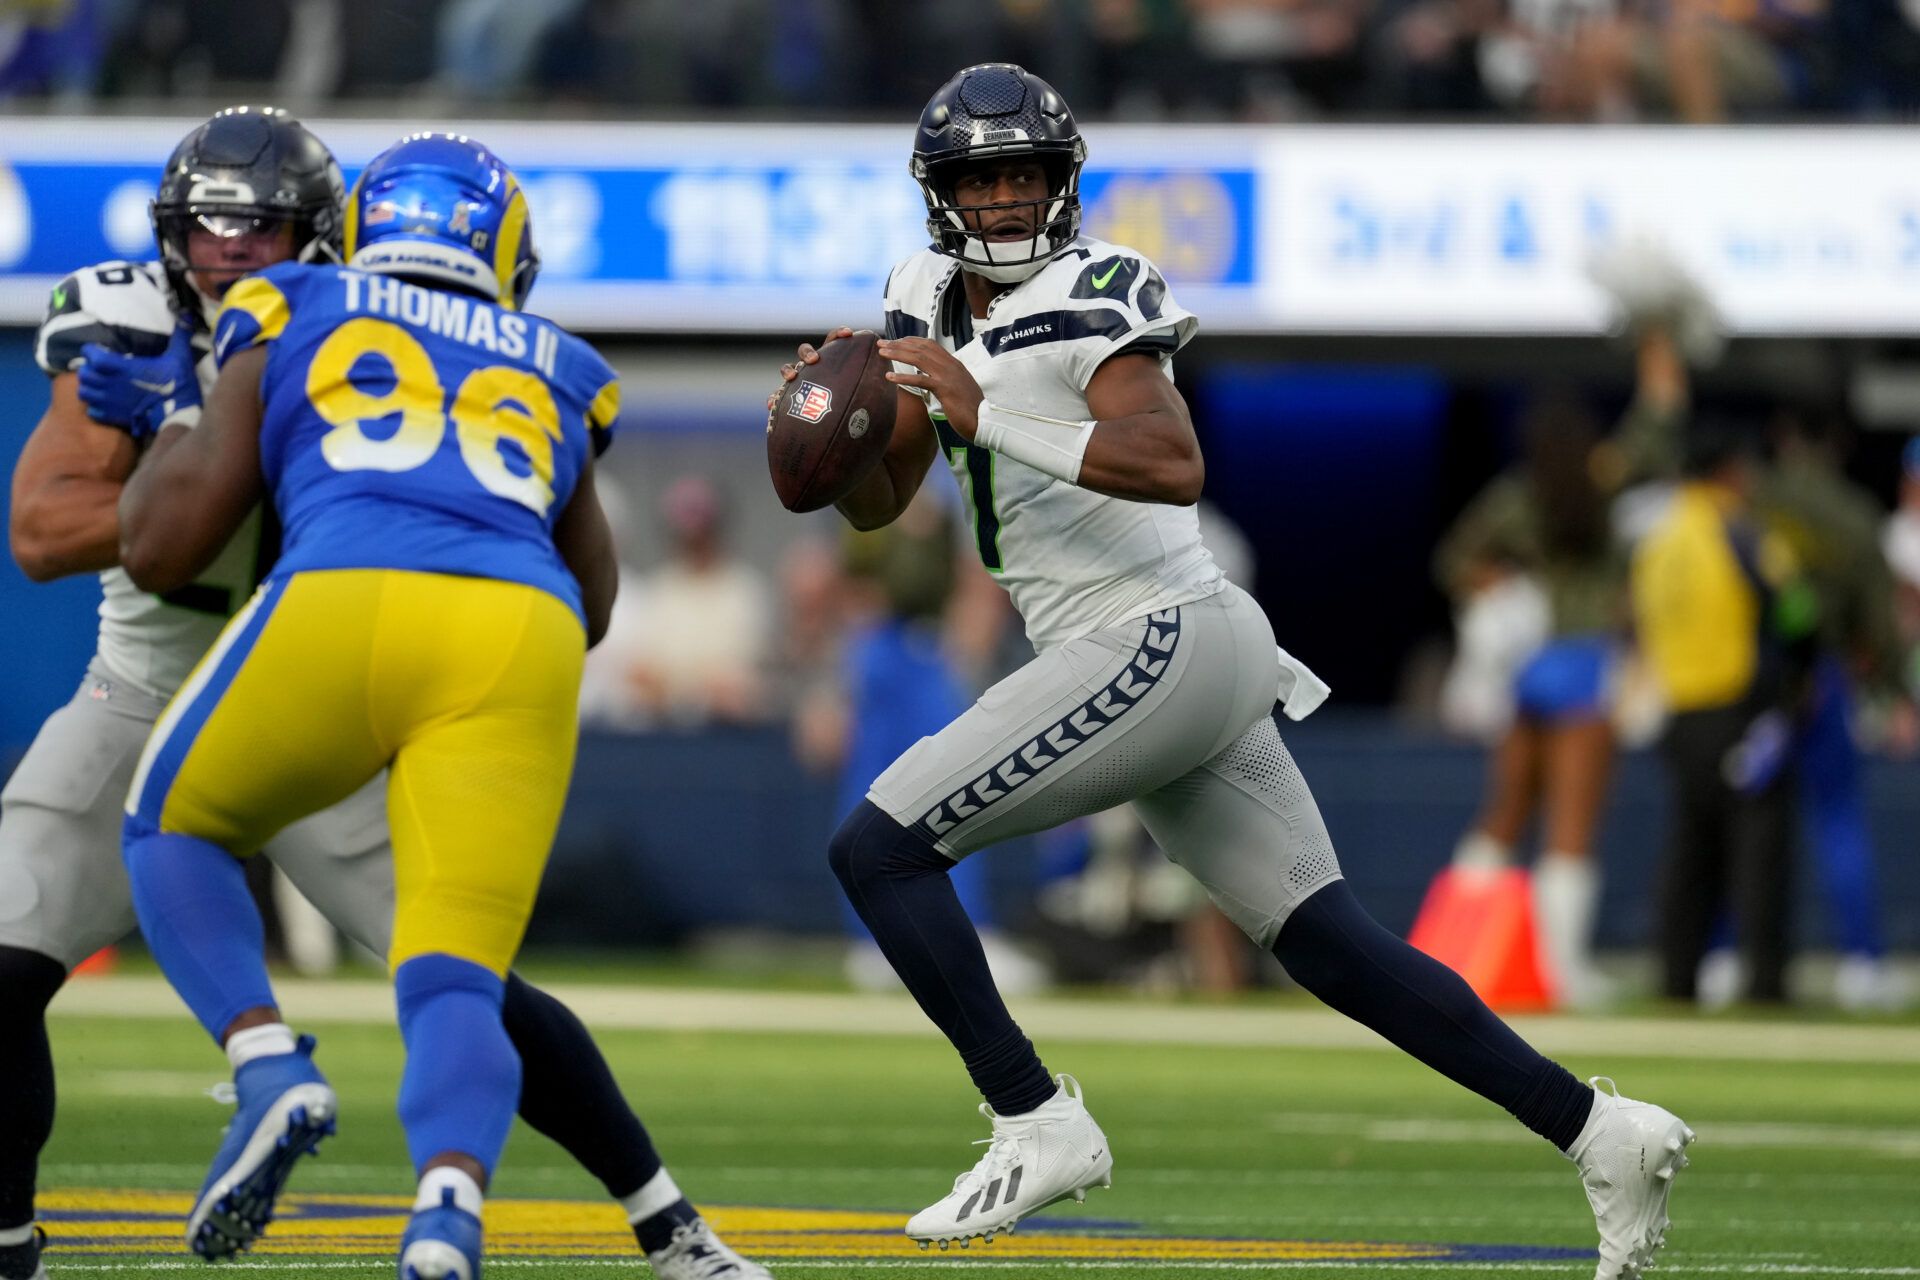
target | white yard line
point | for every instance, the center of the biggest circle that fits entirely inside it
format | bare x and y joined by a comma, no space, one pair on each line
1118,1021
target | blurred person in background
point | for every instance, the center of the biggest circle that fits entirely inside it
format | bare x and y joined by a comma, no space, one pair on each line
698,654
1141,61
1832,527
1543,529
1694,61
1901,541
489,49
1538,573
1726,629
1278,59
50,47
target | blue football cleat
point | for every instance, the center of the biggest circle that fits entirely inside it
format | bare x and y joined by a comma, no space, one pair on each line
442,1243
286,1108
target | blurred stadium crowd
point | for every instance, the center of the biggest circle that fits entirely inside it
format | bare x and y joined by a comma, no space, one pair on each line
1575,60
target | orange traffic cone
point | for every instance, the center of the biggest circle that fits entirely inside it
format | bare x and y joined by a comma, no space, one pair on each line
1480,924
99,964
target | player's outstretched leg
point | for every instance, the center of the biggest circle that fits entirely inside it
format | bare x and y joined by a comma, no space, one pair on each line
196,913
28,982
1627,1152
1045,1147
568,1093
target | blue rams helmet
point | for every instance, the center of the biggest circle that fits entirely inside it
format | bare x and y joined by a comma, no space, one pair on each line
442,207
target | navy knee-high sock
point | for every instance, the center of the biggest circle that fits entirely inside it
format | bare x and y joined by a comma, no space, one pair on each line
28,981
1334,949
898,882
568,1092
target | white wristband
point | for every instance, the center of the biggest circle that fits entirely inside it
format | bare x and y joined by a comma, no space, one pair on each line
1052,445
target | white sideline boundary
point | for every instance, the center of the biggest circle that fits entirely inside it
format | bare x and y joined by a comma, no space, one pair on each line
1122,1021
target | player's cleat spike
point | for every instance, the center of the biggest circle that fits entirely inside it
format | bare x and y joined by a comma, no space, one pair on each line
966,1242
1052,1153
441,1243
285,1109
1079,1195
1627,1156
696,1253
924,1245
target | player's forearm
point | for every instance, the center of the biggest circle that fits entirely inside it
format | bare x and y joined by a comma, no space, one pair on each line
66,526
168,529
1145,458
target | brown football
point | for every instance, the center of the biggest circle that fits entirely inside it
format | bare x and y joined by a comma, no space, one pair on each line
830,425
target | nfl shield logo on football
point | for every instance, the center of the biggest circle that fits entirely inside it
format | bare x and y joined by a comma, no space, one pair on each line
810,402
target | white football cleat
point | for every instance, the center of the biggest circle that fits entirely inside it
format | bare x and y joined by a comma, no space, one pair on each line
695,1253
1033,1160
1628,1155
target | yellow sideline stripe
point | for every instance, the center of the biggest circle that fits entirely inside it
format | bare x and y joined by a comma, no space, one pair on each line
369,1225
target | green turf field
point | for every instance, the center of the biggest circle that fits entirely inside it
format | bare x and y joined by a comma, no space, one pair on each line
809,1149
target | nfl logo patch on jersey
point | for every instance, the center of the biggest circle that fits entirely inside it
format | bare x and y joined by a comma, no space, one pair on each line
810,402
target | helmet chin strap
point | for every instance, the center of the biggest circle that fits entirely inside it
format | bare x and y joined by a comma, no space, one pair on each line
977,254
1002,272
208,303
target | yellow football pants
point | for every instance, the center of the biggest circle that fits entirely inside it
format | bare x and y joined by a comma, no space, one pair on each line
465,689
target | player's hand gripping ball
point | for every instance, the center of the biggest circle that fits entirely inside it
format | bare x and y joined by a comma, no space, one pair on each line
829,420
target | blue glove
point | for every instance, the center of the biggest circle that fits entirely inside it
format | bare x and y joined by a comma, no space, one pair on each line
139,393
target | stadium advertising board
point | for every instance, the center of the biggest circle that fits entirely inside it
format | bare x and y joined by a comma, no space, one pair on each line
692,228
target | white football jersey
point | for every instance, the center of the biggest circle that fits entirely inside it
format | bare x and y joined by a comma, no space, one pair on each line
1073,560
151,642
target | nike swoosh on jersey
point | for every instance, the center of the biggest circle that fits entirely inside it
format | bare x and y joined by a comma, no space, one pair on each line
158,388
1100,282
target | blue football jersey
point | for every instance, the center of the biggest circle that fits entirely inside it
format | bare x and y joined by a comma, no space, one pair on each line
407,427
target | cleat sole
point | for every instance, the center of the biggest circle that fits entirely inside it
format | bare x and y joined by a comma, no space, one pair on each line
235,1218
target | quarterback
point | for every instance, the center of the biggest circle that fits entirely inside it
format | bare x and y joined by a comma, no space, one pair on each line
1037,362
121,342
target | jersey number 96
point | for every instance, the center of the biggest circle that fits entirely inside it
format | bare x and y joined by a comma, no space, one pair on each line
493,404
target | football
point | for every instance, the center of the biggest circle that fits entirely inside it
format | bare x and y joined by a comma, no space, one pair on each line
830,424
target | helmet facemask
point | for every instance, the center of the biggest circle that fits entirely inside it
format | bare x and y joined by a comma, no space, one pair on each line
963,230
175,233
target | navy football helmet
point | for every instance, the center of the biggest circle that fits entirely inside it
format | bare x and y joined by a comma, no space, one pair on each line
992,111
446,209
247,169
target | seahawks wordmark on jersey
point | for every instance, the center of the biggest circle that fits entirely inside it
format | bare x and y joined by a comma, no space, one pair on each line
148,641
1074,561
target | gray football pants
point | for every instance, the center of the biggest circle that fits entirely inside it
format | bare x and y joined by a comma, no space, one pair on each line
1172,711
63,888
